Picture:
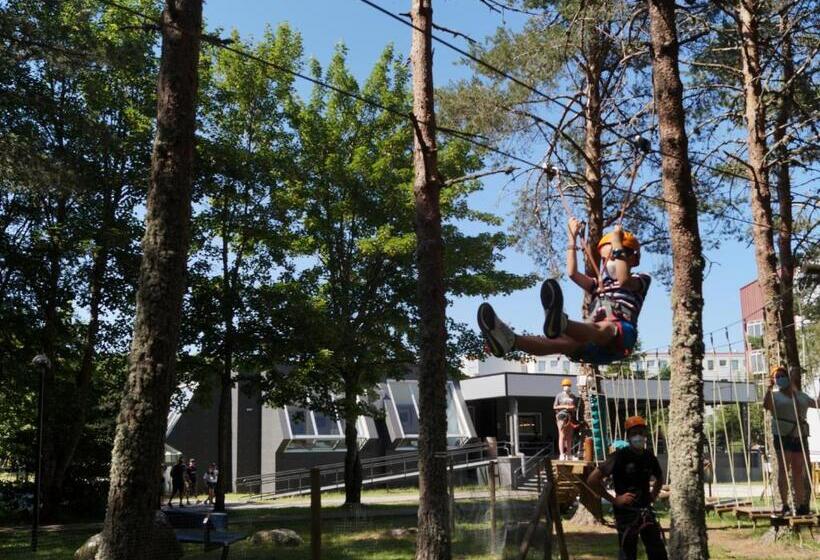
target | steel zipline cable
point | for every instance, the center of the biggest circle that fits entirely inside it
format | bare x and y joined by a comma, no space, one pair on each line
463,135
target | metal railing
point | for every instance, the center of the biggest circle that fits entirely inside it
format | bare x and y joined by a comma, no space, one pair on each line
374,471
530,464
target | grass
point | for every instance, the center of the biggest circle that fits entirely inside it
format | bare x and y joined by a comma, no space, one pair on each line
367,537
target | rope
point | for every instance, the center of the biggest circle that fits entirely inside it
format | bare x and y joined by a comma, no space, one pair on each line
786,469
658,402
634,391
746,457
803,451
568,210
649,418
643,147
726,440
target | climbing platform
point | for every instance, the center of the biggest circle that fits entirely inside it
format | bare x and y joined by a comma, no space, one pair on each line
755,513
570,480
726,505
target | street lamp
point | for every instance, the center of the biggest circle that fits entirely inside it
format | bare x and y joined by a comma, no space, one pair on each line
41,362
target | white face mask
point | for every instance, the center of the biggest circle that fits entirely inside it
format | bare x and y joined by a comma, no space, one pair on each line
611,268
638,442
566,389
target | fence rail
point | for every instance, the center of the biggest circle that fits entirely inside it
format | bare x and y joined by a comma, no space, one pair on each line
374,471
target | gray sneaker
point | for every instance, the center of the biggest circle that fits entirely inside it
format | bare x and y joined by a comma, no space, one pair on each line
498,335
552,300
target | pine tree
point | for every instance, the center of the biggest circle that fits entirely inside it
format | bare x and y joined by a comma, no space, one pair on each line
433,541
138,445
688,538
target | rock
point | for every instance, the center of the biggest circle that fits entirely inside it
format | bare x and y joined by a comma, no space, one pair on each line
279,537
402,533
163,543
89,548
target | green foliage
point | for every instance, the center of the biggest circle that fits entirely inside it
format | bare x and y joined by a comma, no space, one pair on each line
354,321
724,425
565,50
75,140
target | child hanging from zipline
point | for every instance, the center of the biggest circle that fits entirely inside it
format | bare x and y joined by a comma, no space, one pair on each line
617,297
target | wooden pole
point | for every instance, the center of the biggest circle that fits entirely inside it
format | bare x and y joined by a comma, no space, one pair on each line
452,488
492,471
433,540
541,509
555,512
315,514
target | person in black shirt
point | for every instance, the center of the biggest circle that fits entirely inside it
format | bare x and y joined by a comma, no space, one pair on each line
190,478
631,469
178,474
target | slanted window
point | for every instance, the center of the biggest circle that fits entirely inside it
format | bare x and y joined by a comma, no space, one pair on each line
734,365
403,397
710,365
722,363
315,431
542,366
405,402
650,363
662,364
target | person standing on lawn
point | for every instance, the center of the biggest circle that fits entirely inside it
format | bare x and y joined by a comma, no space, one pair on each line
632,469
178,474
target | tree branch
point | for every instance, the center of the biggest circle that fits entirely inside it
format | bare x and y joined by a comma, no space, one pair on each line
506,170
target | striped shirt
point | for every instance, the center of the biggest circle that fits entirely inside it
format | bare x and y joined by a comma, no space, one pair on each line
611,299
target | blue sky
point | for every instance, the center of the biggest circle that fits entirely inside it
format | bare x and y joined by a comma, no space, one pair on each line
325,23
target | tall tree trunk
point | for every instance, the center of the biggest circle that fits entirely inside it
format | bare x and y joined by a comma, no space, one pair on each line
759,187
224,434
138,445
784,199
353,463
75,424
433,542
688,539
223,429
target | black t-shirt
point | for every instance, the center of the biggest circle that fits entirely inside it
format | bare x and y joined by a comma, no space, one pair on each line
192,473
178,473
631,472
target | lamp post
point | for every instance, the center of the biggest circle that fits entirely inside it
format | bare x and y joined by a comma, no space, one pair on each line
41,362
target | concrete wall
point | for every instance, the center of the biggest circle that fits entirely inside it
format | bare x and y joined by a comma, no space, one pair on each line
195,433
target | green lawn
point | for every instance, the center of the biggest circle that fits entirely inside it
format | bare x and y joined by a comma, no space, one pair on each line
367,538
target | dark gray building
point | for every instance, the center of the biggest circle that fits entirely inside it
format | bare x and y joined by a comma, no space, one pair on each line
267,441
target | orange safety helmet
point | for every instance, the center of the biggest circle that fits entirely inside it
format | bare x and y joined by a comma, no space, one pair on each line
566,382
775,369
634,422
628,240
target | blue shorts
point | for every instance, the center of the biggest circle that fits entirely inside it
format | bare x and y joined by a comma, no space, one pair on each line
620,347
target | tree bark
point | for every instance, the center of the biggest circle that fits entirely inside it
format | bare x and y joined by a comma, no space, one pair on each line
784,199
353,464
224,435
138,445
51,332
759,187
688,539
433,541
80,404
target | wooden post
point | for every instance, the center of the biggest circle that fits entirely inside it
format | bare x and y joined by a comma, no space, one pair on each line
452,487
541,509
315,514
491,471
555,512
